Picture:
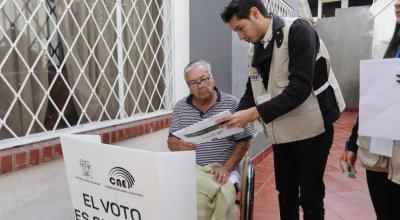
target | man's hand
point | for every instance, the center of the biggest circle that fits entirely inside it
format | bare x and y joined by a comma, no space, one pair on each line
187,145
176,144
347,162
221,175
240,118
351,158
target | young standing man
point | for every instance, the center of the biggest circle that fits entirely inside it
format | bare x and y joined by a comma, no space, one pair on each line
289,91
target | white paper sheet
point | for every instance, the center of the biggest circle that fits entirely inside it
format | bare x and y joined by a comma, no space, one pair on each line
379,99
381,146
207,130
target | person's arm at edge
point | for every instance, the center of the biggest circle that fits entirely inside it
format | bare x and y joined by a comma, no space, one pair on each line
351,143
349,156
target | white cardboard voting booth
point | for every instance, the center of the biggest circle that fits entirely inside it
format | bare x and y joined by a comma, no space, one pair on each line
110,182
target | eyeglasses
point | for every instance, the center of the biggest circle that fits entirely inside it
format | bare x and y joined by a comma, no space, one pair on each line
197,82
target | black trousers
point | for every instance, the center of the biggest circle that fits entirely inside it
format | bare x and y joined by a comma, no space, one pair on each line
299,171
385,195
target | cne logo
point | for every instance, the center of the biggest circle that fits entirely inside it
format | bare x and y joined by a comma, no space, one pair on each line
121,177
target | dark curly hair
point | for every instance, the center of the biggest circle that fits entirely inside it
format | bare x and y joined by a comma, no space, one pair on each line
241,8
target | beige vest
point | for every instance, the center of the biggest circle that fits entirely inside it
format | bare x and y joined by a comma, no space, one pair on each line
379,163
305,121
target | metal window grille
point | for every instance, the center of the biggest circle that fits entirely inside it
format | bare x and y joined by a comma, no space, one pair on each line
73,65
279,7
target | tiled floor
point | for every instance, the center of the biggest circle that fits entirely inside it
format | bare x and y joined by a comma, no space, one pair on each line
345,198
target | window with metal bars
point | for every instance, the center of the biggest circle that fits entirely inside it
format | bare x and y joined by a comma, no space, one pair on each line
279,7
69,63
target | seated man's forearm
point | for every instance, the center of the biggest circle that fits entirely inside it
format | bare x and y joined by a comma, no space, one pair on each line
237,155
175,144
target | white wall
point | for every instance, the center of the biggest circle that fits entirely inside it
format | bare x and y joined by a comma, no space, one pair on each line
181,46
348,37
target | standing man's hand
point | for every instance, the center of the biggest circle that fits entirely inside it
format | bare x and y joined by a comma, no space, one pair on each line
176,144
221,175
240,118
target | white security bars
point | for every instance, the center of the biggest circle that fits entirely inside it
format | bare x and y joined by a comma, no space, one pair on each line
279,7
73,65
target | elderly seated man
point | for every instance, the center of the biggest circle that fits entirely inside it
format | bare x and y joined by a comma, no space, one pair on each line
217,161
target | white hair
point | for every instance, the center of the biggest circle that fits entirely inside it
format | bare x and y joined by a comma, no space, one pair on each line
194,64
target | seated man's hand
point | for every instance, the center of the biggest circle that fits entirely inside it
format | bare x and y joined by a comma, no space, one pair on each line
186,145
176,144
221,175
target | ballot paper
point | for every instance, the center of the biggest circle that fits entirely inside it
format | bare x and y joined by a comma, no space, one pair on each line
379,99
207,130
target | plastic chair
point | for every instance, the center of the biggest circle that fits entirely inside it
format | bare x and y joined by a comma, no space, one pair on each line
246,202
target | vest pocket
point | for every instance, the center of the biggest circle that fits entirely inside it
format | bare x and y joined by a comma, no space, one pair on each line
279,83
282,82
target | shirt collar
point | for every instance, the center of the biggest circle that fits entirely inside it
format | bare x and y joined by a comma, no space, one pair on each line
268,35
189,99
